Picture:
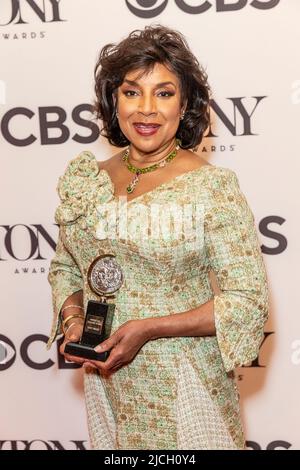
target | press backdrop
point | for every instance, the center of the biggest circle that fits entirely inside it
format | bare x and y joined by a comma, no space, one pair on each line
250,50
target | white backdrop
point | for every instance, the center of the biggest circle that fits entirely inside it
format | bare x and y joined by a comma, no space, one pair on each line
47,54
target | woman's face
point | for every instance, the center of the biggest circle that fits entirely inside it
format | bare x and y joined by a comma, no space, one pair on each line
149,108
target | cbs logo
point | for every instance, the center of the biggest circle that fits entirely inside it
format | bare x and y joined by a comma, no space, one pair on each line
152,8
32,353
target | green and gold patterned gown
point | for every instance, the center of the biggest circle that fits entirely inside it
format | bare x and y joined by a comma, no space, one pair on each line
177,393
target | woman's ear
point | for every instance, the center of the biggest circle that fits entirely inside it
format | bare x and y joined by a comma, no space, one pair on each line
183,107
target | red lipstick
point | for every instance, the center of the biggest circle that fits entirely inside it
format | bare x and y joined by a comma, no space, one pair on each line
146,128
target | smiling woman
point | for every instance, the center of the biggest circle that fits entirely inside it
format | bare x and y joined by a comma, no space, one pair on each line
148,106
168,382
178,83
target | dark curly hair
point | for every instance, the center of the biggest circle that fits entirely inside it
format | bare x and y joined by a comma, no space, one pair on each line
141,50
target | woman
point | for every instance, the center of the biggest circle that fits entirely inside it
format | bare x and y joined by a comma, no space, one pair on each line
168,382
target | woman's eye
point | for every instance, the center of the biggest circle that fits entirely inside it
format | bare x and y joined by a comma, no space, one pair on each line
129,93
165,94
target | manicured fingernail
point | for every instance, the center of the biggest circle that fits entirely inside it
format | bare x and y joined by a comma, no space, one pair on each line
98,348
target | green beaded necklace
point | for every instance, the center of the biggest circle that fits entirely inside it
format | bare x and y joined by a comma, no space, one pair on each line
138,171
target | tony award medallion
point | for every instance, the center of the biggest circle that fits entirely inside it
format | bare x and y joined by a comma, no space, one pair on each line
105,277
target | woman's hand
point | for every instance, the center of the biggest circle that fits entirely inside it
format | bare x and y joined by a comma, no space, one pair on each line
124,345
73,334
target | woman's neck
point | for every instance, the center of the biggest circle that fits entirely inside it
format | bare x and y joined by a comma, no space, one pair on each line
136,156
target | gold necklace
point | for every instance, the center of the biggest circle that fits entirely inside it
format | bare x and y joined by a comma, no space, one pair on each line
139,171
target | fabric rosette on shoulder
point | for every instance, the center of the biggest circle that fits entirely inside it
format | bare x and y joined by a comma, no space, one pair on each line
81,189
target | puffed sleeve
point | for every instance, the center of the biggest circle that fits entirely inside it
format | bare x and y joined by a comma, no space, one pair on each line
234,254
65,279
80,189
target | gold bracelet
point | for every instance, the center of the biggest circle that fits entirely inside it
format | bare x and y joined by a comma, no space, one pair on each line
69,306
68,327
65,321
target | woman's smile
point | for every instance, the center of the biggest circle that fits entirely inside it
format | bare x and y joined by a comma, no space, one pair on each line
146,129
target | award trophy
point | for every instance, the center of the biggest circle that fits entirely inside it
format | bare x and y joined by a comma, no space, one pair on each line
104,277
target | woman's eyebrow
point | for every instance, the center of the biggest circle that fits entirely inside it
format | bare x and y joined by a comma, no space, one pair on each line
133,83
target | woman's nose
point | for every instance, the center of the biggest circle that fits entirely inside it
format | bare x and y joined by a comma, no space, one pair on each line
147,105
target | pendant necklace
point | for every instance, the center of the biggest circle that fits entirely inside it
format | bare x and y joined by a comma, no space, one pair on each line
153,167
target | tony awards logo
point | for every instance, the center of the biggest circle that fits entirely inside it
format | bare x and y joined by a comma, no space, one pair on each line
105,277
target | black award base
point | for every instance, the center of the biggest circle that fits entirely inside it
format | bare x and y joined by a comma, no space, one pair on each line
85,351
97,328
